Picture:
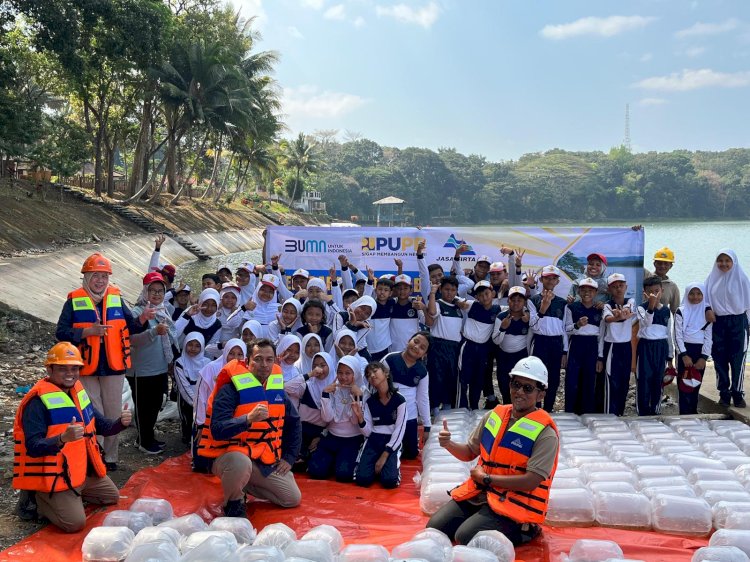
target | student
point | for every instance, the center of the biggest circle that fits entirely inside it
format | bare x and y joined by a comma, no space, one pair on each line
286,322
411,379
264,305
311,346
512,336
287,354
246,281
445,320
481,266
356,319
313,322
728,296
337,451
432,274
300,278
345,343
379,336
187,369
224,273
692,336
201,318
333,303
550,341
278,271
181,301
230,322
472,364
405,314
250,331
583,324
382,422
596,269
616,352
670,292
655,352
210,281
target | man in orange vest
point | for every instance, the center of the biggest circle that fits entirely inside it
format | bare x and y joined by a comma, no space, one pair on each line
517,445
253,432
56,453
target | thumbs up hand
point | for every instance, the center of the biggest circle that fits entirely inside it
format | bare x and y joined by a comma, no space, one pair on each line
73,432
444,437
126,417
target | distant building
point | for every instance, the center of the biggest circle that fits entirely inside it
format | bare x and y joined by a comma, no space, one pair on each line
311,203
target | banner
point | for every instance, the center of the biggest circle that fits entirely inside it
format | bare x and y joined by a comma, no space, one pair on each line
317,249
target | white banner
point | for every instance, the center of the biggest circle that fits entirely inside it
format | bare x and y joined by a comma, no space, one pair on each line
317,248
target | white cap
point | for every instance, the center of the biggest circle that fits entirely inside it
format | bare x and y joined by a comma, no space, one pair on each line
301,273
482,283
230,286
531,368
615,277
517,291
497,267
316,282
270,280
549,270
588,282
186,289
388,276
224,266
247,266
484,258
402,279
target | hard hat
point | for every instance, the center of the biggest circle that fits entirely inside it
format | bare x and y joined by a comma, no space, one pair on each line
96,262
531,368
153,277
664,254
63,353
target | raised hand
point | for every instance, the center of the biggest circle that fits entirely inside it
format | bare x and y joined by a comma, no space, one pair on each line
73,432
126,417
444,437
158,241
519,257
250,304
259,413
421,246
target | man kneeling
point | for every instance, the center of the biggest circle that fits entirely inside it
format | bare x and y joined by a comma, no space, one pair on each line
56,453
254,433
518,446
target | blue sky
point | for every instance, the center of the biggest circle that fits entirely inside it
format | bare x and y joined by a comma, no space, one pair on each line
502,78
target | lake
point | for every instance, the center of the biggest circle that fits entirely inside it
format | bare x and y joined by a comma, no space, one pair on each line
694,243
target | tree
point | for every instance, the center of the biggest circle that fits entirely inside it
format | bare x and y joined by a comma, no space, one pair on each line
299,157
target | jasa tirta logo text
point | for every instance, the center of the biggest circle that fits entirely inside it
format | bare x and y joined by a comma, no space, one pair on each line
390,245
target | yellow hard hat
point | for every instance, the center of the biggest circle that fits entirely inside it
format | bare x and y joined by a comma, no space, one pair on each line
664,254
63,353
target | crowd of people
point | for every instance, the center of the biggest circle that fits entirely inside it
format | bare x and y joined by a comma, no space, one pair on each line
277,374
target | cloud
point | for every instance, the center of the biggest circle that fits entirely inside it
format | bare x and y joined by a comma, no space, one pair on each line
314,4
695,51
645,57
603,27
652,101
695,79
701,29
294,32
309,101
424,16
359,21
336,12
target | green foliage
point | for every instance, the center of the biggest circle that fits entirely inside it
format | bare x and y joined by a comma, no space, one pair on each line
63,148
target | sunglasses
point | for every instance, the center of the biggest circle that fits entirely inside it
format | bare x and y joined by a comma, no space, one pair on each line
527,388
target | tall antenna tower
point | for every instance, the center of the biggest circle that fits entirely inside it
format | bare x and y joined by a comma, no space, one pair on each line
626,140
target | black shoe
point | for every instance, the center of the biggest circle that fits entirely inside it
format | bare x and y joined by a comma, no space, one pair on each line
161,444
724,402
530,533
111,466
235,508
152,449
26,506
491,403
739,402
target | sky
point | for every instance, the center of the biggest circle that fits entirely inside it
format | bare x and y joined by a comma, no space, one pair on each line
502,78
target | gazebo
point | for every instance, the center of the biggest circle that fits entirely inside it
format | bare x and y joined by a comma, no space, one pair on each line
392,201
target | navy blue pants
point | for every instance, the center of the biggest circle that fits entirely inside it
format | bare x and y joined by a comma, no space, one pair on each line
364,475
618,358
474,358
493,359
505,363
652,361
550,350
689,400
729,334
335,455
580,375
442,365
410,443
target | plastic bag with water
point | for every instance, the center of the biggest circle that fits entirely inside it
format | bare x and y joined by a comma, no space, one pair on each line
497,543
589,550
240,527
160,510
154,552
317,550
107,544
275,534
326,533
133,520
255,553
187,524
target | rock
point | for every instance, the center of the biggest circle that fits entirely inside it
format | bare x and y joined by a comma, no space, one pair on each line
5,381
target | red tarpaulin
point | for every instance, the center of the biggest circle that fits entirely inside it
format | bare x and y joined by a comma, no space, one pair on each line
363,515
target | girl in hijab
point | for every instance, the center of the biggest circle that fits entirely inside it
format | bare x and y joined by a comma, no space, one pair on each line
337,451
234,349
313,319
311,345
316,291
264,305
201,317
286,322
356,319
187,374
151,355
307,390
692,336
384,419
250,331
728,297
345,343
287,354
230,327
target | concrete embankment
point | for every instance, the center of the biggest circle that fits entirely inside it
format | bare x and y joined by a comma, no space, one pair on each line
39,284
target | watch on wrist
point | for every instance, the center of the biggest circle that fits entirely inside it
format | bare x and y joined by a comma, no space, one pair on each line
487,480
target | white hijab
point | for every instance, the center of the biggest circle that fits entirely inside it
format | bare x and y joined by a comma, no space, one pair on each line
265,312
316,385
363,301
192,366
289,370
211,371
693,315
304,363
342,397
254,326
201,320
728,293
362,361
298,307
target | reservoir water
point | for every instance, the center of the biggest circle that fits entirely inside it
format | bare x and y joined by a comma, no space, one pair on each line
694,243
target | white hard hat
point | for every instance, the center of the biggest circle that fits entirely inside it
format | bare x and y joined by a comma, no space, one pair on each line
531,368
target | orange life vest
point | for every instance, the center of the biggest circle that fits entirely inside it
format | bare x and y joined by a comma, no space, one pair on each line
66,469
505,450
116,342
262,440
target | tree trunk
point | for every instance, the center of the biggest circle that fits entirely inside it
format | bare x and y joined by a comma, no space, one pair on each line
98,140
240,182
226,178
141,149
188,177
171,161
140,193
217,157
111,170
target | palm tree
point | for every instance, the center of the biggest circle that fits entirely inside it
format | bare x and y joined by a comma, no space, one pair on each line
299,157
